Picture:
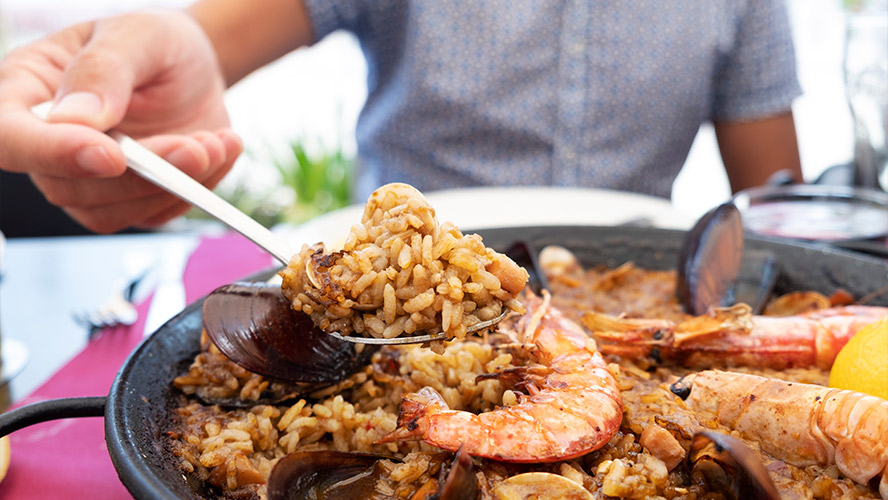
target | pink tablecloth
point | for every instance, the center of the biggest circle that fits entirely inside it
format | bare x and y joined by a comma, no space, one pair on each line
68,458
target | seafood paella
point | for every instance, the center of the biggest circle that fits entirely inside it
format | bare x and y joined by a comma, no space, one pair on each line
598,387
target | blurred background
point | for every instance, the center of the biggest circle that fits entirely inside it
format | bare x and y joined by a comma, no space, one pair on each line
297,116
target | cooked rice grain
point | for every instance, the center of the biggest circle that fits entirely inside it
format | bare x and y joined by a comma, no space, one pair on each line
400,272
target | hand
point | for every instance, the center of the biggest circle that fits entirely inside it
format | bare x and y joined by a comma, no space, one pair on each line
154,76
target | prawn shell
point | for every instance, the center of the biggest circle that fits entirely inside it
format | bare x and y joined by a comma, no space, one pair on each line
574,408
801,424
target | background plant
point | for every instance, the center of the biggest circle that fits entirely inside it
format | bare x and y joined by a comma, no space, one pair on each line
310,181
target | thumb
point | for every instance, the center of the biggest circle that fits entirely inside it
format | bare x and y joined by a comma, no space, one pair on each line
97,85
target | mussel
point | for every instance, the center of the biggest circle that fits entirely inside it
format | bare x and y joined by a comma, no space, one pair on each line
460,481
335,475
710,259
727,465
254,325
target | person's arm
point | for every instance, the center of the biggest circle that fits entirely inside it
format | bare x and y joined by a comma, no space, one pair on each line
249,34
753,151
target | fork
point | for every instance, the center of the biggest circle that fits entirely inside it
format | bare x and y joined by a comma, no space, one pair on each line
116,311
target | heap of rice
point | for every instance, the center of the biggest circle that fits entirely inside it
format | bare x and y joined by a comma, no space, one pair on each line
234,449
400,272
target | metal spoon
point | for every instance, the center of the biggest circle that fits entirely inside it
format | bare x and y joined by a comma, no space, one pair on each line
163,174
419,339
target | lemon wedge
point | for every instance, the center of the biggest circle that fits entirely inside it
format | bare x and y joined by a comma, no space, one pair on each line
862,365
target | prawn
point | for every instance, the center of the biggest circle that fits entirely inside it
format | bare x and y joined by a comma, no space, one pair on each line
736,337
573,407
801,424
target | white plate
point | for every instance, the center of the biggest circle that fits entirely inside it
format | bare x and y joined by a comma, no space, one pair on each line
478,208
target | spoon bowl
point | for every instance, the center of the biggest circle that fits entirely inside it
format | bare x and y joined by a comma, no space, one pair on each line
254,325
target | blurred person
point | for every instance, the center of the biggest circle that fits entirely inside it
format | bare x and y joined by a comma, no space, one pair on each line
574,93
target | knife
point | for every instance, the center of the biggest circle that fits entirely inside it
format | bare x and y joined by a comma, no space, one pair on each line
169,296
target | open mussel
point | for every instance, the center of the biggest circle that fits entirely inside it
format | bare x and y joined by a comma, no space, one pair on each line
710,259
327,475
727,465
254,325
459,482
714,270
338,475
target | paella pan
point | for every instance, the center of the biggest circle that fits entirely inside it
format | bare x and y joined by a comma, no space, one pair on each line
647,421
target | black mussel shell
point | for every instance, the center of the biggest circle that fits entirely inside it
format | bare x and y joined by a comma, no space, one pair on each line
710,259
727,465
327,475
756,280
254,325
338,475
460,483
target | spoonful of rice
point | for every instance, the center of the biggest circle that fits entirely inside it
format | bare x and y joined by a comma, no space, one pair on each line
402,277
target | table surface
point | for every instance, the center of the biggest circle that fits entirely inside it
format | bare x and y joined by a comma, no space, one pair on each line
46,281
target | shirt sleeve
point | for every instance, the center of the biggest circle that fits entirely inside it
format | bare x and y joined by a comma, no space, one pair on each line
757,78
327,16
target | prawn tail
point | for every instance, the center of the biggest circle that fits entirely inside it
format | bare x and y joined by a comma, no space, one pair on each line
856,424
413,415
630,338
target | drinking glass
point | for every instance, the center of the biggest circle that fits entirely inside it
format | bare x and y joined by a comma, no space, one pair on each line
866,88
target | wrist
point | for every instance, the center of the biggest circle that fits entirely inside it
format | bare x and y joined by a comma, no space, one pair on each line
247,35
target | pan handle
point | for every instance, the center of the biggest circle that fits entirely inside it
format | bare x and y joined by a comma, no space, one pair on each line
52,409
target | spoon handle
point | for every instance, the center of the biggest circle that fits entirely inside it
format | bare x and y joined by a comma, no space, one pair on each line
158,171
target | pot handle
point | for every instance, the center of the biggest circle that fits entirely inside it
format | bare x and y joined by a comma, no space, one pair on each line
52,409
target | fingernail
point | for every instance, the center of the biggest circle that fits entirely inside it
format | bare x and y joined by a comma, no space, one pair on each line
79,105
179,156
94,159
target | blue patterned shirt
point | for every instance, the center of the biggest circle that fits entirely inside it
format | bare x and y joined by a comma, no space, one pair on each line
606,94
